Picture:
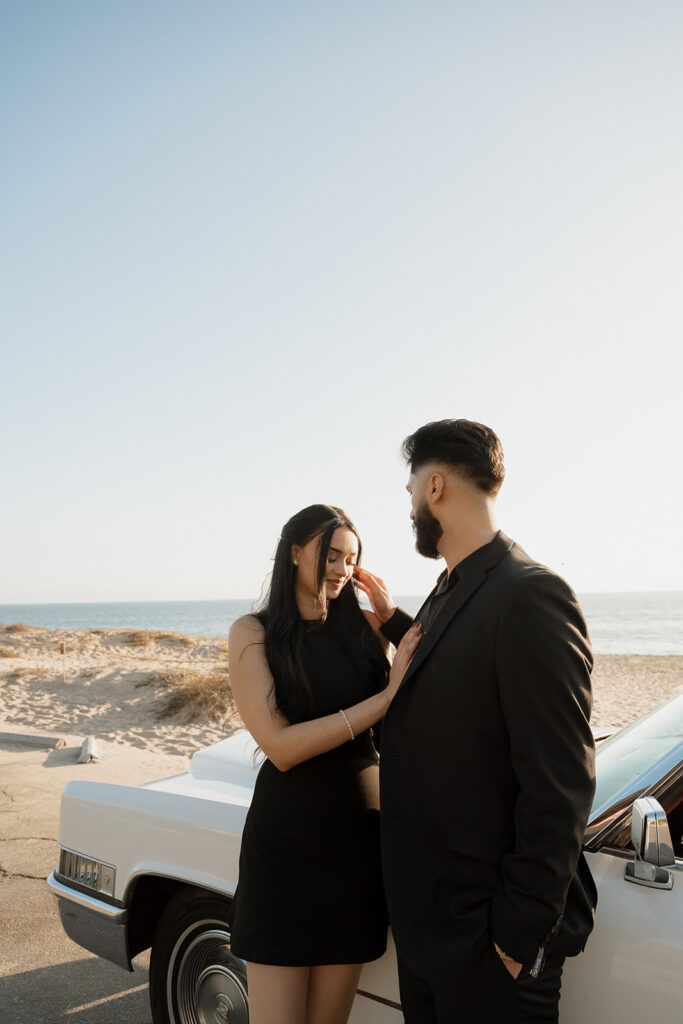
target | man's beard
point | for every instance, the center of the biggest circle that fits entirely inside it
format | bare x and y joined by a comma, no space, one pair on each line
427,529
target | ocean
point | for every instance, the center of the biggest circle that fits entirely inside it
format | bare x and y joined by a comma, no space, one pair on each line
627,623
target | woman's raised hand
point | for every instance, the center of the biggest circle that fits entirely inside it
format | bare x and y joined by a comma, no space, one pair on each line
377,593
403,657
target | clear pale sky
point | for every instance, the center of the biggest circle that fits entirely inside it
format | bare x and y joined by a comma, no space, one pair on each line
248,247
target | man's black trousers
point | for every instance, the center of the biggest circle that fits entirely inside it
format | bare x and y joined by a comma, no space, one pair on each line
486,994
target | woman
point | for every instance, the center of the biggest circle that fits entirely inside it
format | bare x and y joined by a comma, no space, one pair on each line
310,677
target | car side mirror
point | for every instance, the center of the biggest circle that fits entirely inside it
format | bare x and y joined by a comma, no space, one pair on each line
651,840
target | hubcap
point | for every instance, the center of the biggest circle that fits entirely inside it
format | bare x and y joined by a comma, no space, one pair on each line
211,983
220,997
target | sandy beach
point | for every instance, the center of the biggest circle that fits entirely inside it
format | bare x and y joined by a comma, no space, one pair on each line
170,694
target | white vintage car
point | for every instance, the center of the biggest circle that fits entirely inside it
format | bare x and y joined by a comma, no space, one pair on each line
156,865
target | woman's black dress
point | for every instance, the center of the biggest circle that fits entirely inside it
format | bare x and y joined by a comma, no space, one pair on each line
310,884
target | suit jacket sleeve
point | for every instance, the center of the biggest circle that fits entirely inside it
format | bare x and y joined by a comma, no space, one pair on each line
543,661
397,626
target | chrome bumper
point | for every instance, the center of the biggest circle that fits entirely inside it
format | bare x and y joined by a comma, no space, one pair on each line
95,925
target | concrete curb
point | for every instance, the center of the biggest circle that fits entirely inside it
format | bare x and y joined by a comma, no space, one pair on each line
33,740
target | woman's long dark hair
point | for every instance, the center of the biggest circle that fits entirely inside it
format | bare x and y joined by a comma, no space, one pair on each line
284,627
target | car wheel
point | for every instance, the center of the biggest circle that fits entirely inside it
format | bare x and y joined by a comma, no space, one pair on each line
194,978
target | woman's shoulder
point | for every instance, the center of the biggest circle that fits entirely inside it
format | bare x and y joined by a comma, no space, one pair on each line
246,629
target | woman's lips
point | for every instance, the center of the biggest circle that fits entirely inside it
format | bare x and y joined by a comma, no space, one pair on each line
336,583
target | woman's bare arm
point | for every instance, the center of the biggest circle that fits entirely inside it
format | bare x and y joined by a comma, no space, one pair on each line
286,744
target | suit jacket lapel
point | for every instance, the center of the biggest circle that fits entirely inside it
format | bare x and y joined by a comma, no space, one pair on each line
474,570
461,593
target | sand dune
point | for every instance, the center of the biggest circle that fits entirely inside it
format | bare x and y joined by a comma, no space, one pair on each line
163,692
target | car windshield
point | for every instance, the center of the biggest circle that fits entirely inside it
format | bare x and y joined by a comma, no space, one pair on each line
624,757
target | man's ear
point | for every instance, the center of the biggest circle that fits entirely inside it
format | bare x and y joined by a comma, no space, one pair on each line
435,488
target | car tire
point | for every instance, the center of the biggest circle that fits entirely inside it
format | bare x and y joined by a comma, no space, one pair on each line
194,978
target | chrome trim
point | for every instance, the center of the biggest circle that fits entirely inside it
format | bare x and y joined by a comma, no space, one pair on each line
650,875
117,914
93,924
650,835
651,840
204,978
379,999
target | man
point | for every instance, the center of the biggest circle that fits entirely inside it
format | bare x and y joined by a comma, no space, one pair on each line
487,757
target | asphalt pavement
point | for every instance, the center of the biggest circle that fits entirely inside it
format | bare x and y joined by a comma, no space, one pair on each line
43,975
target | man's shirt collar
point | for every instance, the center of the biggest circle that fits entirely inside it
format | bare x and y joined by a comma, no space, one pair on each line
483,558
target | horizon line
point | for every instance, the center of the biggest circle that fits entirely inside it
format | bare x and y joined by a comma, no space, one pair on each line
253,600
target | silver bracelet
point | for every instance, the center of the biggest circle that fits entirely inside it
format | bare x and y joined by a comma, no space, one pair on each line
348,724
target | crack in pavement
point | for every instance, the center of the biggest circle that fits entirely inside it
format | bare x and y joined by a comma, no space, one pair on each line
4,873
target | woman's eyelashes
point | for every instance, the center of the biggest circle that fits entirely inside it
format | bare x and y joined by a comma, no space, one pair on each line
336,562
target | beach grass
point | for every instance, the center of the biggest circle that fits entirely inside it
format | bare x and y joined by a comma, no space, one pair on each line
196,695
146,637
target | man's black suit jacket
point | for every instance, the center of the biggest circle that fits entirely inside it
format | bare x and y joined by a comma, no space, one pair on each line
487,770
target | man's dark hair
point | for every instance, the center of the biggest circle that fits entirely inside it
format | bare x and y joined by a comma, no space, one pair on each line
471,448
